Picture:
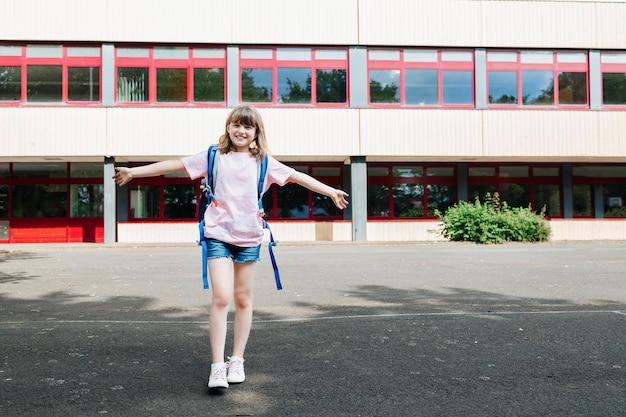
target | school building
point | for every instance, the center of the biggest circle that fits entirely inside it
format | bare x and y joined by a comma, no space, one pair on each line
410,106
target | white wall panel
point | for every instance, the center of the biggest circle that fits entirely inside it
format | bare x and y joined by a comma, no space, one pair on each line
294,21
612,134
52,131
537,134
405,132
312,132
205,21
404,231
60,20
162,132
537,24
611,26
592,229
419,22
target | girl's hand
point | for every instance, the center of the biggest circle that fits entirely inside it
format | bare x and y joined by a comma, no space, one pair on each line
339,198
122,175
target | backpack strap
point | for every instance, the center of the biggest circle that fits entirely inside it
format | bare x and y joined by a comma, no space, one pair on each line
262,171
206,200
212,156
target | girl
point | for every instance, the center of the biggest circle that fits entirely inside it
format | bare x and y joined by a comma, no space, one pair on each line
233,227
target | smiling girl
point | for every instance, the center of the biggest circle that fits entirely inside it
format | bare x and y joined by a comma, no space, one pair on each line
233,227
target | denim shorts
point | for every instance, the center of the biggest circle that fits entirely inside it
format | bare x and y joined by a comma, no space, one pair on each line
218,249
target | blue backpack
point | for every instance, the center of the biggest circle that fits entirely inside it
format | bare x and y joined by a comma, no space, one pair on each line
206,198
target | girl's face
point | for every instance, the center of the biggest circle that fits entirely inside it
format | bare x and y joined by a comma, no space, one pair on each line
241,136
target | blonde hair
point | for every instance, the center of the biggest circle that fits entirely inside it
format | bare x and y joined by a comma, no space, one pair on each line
248,116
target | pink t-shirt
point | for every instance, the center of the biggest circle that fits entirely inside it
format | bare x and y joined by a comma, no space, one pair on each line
235,218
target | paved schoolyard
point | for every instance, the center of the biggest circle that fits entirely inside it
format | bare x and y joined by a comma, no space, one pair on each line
359,330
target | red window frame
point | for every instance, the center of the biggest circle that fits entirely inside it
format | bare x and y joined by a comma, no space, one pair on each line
532,180
152,64
313,64
160,182
425,180
65,61
401,66
615,68
555,66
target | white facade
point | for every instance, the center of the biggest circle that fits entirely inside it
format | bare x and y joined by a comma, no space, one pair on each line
36,133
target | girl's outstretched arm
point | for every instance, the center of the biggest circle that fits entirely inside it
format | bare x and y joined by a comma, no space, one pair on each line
125,174
338,196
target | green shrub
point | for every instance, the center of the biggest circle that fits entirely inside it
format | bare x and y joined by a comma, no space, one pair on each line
492,222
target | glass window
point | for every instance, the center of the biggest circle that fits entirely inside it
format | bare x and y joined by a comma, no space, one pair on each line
440,197
572,88
480,191
132,84
502,87
86,170
548,196
457,87
10,83
294,85
330,85
83,84
44,83
515,195
614,88
144,201
513,171
50,74
582,205
39,201
172,76
613,68
293,202
208,84
256,85
86,200
294,76
179,201
537,87
4,170
4,201
378,200
537,78
40,170
421,86
384,86
408,200
406,171
416,77
171,85
614,196
416,190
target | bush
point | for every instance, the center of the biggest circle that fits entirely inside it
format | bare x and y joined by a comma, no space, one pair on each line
492,222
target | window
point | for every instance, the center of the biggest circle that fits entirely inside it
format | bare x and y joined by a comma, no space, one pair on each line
518,186
170,75
611,178
294,76
169,197
613,68
409,191
293,201
537,78
4,190
421,77
41,74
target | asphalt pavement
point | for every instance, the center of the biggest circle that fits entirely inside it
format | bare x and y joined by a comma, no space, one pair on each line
424,329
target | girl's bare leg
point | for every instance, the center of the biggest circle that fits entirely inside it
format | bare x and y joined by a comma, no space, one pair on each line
244,277
221,272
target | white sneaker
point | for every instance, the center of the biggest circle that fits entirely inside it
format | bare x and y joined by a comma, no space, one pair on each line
217,379
236,374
